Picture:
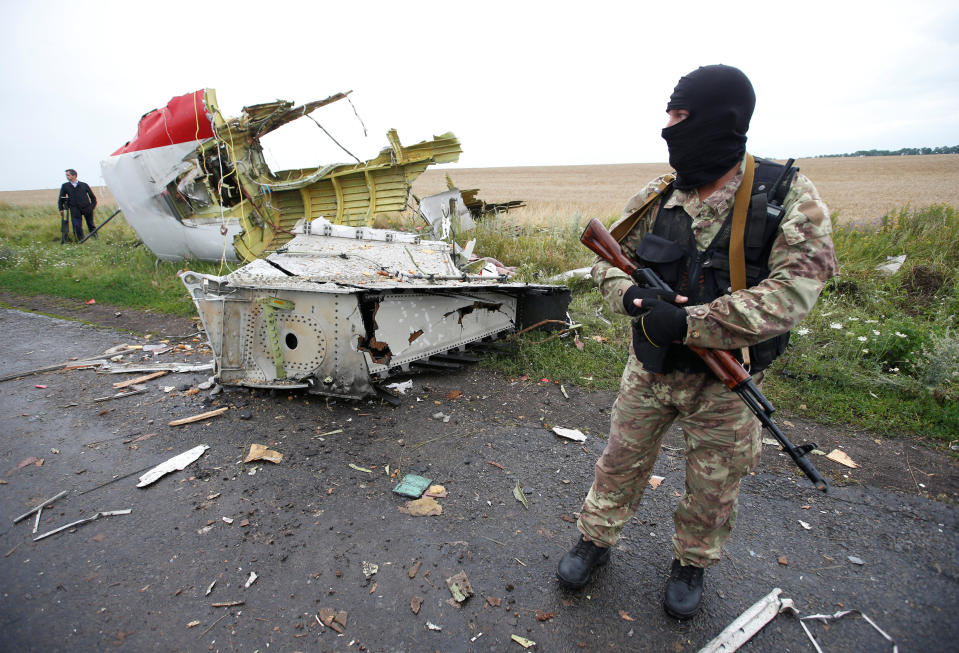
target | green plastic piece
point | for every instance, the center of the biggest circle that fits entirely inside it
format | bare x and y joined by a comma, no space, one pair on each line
412,486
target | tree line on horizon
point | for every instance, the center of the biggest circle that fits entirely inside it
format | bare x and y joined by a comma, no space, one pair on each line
946,149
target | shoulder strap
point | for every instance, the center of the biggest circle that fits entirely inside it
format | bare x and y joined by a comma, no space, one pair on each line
737,250
624,227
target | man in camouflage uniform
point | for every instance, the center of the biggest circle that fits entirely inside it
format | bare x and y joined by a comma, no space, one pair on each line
709,113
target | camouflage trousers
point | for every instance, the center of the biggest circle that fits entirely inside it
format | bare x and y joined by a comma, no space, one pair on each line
722,446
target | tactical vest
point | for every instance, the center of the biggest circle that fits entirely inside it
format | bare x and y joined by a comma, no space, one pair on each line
670,249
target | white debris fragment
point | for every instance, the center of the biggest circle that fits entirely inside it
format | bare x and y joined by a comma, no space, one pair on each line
228,520
805,525
856,560
432,626
251,579
749,623
369,569
891,266
401,388
173,464
570,434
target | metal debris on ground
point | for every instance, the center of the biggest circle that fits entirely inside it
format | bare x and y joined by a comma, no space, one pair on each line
749,623
370,569
39,507
140,379
173,464
570,434
79,522
518,494
826,618
842,458
134,390
412,485
459,586
262,452
425,507
197,418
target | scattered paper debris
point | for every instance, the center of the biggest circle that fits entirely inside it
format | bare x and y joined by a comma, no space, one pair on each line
891,266
805,525
441,417
210,588
412,485
570,434
228,520
522,641
436,491
518,493
369,569
197,418
425,507
856,560
173,464
459,586
655,481
193,624
262,452
432,626
841,457
251,579
401,388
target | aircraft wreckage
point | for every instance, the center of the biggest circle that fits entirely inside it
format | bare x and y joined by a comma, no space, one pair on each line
195,185
324,302
339,308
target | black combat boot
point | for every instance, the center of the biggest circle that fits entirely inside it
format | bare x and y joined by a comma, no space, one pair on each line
684,591
575,567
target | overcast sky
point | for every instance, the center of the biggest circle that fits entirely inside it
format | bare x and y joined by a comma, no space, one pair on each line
520,83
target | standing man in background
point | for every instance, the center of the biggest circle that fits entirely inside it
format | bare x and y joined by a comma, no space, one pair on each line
79,199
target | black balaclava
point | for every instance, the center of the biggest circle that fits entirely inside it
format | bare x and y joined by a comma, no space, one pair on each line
704,146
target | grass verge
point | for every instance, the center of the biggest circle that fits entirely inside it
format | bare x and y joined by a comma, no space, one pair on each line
878,351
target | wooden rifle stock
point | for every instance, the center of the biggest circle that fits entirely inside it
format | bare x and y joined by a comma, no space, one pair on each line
723,364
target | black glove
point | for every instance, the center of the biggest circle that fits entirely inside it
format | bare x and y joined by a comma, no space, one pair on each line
647,295
662,323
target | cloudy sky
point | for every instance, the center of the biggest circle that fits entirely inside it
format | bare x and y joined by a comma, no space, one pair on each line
520,83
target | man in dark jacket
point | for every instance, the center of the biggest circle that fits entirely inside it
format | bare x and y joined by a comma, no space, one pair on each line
77,196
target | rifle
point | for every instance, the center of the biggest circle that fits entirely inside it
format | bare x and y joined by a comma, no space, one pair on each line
723,364
64,227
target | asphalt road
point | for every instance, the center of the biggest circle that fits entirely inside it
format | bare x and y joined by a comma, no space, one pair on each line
309,526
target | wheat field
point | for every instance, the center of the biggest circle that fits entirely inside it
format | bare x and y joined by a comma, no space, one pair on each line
857,189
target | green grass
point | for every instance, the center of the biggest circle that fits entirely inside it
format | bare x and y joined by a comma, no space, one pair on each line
877,352
112,269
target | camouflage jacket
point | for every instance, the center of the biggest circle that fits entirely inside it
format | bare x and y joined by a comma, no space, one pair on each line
801,261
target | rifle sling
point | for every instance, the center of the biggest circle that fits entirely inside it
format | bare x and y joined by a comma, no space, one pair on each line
737,249
625,226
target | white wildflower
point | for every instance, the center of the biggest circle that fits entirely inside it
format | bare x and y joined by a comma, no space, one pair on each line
802,331
893,370
901,335
875,333
862,338
836,325
853,319
865,351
